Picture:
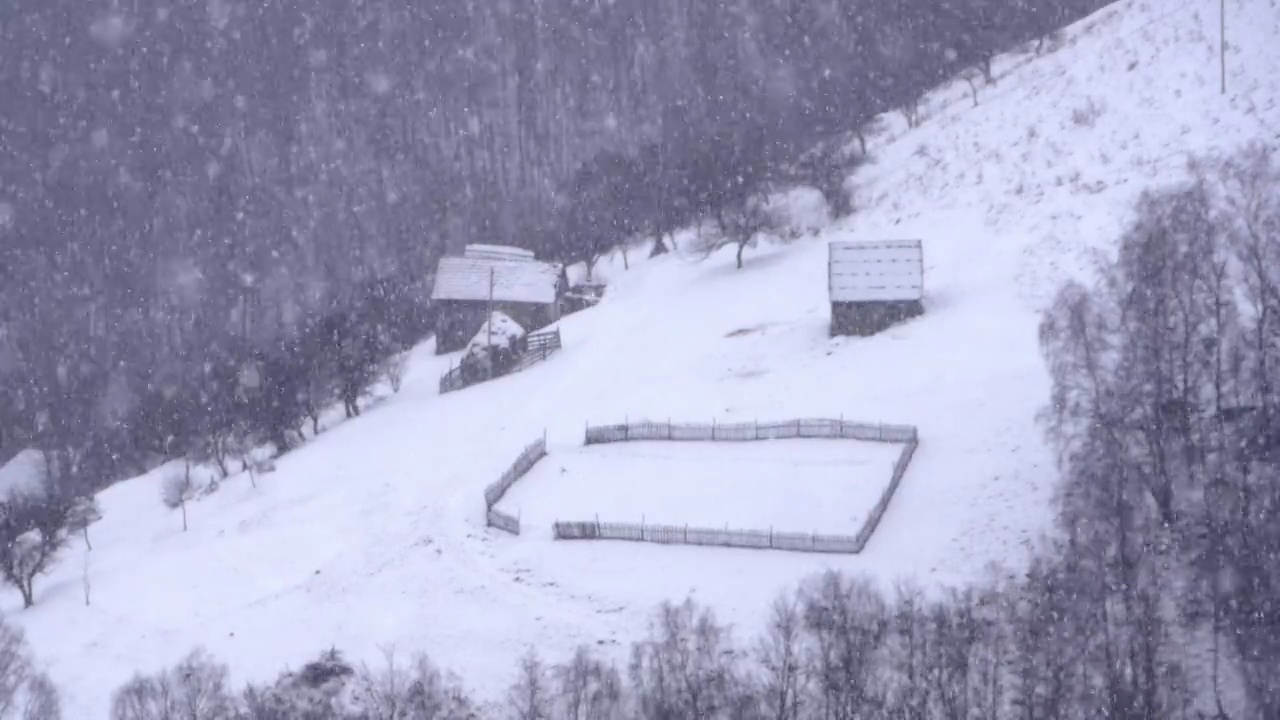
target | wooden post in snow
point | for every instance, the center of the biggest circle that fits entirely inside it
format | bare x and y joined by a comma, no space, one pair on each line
489,324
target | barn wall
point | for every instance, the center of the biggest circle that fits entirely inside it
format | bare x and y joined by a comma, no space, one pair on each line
869,318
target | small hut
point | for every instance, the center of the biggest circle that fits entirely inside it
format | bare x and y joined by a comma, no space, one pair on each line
874,285
491,278
494,349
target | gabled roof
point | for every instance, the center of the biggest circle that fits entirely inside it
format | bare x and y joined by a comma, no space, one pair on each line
522,281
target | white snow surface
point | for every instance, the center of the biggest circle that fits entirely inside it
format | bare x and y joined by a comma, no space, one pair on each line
373,534
804,486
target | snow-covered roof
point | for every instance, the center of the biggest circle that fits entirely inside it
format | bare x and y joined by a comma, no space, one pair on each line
504,330
886,270
497,252
515,280
22,474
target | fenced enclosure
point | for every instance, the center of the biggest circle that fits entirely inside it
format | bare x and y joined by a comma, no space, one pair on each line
535,348
494,493
801,428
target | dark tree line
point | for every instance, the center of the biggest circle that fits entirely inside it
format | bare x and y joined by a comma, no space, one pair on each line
187,185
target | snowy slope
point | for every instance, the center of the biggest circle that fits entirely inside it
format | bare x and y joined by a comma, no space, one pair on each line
373,534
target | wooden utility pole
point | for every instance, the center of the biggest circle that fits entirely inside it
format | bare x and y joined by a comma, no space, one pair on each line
1222,42
488,322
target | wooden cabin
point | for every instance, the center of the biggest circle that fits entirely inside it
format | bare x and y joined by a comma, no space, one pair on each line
874,285
491,278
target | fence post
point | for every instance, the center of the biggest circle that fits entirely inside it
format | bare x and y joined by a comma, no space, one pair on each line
841,426
597,526
756,425
770,536
626,427
798,428
668,427
686,534
713,429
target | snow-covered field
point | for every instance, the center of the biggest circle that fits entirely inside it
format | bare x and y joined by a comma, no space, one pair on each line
373,534
810,486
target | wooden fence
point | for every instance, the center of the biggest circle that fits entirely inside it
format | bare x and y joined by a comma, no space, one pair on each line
492,494
537,347
685,535
839,429
747,432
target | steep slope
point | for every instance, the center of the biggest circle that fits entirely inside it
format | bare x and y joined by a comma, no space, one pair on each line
373,534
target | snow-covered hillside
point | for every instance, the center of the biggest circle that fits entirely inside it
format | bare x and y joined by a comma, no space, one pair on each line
373,534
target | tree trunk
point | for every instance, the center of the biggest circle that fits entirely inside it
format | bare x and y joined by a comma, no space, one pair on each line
183,505
26,586
659,247
741,246
87,544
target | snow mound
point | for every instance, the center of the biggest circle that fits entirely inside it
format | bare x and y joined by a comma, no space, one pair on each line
499,331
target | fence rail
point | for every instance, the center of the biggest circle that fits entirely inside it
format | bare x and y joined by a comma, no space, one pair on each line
816,428
537,347
686,535
494,493
803,428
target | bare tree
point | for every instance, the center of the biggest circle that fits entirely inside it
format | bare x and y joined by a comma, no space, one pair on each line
83,512
908,661
686,668
15,667
847,622
529,697
42,701
972,76
393,369
194,689
32,531
419,692
587,688
781,657
176,490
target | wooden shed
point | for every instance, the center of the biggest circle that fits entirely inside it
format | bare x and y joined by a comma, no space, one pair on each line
487,279
874,285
